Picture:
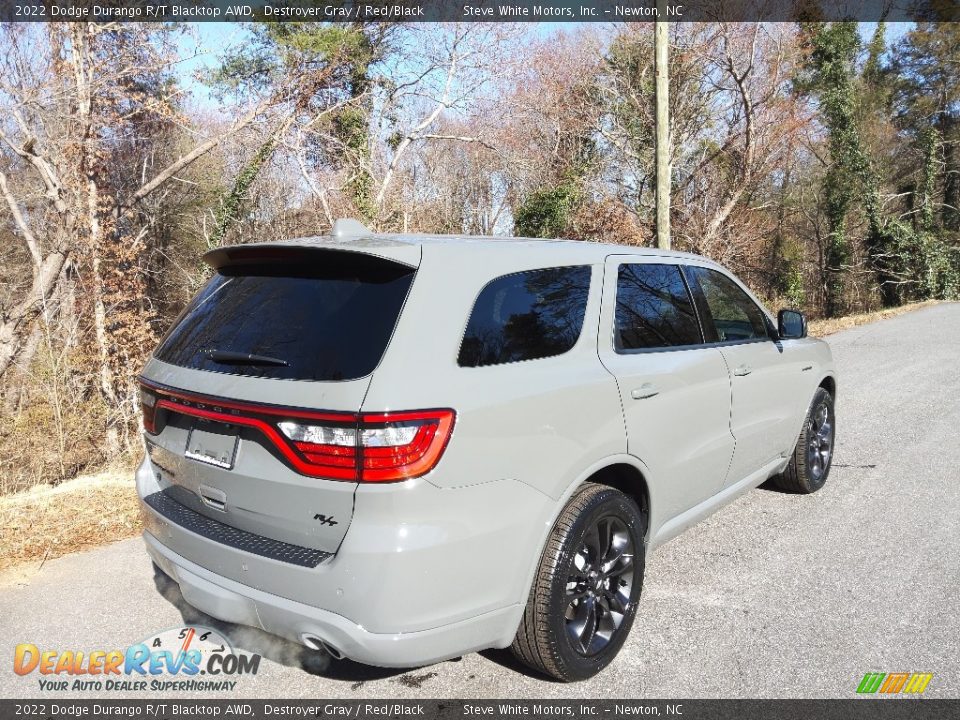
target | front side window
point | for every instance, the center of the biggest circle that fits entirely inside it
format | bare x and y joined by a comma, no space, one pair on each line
526,315
654,308
733,315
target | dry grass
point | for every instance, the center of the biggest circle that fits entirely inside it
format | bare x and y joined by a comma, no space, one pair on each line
820,328
52,428
45,522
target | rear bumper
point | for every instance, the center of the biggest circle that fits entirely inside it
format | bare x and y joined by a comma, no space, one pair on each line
230,601
423,574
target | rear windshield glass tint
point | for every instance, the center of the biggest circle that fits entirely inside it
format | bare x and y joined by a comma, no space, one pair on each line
525,316
326,320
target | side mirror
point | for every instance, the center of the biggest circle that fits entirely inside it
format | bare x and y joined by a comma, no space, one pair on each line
791,325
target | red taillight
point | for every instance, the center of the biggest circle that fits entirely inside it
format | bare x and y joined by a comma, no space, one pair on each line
148,408
329,447
389,446
372,447
397,446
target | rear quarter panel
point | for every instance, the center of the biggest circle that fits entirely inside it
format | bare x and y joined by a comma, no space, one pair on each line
537,424
538,421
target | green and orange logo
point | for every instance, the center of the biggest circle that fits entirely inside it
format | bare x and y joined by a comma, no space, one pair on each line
894,683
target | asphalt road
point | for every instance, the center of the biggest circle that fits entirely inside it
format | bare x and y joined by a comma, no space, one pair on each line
774,596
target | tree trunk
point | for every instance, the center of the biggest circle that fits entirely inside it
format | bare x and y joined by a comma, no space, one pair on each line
951,185
15,322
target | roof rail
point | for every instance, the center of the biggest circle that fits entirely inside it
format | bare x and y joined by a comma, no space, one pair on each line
348,227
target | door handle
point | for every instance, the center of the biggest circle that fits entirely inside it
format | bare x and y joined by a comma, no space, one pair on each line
742,370
647,390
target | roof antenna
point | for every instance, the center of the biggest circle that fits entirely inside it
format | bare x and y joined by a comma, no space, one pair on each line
348,227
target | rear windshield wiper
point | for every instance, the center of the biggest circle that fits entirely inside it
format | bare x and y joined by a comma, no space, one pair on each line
228,357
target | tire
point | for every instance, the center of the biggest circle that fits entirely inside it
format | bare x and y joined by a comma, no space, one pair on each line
812,457
558,635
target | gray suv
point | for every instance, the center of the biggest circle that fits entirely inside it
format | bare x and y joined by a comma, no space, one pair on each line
400,449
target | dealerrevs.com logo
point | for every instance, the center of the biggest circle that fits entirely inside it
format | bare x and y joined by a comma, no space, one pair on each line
187,659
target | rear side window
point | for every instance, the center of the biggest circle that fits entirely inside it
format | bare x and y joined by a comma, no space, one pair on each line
328,319
732,314
654,308
525,316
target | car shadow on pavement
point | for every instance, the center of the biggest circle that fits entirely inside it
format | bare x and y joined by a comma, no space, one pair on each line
505,658
771,486
270,646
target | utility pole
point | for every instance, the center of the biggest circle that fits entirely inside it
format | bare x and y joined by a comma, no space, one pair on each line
661,35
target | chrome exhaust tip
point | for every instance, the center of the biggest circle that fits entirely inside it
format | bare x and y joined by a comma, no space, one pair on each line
314,642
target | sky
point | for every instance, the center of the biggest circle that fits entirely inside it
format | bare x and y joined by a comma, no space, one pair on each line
205,41
202,45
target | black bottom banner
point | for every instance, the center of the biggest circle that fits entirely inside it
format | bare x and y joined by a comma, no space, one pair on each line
854,709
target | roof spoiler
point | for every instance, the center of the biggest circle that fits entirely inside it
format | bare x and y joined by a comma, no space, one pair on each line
348,227
306,258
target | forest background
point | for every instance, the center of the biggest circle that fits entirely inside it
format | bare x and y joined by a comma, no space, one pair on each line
819,161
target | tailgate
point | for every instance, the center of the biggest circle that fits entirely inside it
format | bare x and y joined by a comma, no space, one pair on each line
218,458
251,401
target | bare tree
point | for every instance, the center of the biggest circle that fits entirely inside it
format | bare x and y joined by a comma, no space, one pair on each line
96,92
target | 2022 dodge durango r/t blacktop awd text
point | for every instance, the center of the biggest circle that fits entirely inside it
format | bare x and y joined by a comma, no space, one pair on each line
400,449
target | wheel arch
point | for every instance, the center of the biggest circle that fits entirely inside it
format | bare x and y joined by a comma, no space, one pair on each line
628,479
624,472
829,383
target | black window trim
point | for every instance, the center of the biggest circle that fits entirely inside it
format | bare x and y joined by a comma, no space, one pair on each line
667,348
700,304
473,305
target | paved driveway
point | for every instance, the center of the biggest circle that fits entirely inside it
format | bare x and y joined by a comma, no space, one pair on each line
774,596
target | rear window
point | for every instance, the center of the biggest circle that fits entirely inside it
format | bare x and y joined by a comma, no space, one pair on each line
326,319
525,316
654,308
